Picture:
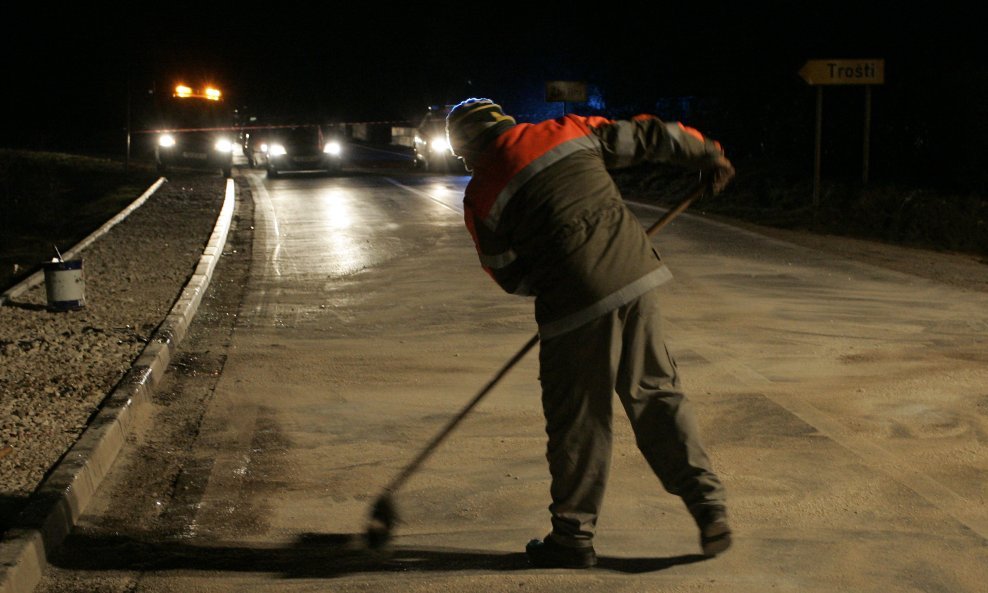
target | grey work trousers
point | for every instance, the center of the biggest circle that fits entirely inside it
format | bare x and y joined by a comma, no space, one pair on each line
624,352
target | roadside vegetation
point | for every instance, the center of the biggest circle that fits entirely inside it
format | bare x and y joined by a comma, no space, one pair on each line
53,199
767,195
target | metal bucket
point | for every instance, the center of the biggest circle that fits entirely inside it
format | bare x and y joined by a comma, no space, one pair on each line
65,285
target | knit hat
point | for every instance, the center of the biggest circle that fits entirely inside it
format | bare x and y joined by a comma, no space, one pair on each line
472,122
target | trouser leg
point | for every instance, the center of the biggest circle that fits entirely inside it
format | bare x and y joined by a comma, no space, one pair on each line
577,393
661,416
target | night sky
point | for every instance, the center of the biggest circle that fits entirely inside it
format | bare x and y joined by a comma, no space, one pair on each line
372,61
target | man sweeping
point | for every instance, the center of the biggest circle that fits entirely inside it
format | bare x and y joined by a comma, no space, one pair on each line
549,222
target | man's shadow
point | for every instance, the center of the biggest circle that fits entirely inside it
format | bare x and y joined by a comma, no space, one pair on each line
325,556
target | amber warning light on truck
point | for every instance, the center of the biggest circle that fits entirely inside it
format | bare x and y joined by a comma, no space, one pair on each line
183,91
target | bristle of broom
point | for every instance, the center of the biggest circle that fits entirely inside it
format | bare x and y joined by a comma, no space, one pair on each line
383,518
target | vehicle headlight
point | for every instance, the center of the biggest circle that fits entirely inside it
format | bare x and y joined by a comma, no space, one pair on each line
332,148
166,140
439,144
264,147
277,150
223,145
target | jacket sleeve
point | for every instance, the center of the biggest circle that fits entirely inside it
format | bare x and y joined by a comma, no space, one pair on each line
646,138
497,258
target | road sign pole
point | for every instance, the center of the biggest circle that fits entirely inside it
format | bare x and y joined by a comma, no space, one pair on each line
817,154
867,136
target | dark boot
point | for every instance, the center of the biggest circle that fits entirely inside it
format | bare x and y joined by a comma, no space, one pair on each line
715,533
548,554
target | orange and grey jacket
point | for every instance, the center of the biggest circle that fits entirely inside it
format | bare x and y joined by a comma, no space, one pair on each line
548,220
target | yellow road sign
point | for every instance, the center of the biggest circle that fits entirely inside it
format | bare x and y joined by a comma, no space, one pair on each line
844,71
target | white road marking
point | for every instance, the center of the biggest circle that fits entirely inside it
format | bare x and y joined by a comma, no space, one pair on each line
423,194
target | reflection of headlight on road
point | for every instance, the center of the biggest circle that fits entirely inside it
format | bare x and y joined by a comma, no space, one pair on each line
166,140
277,150
223,145
332,148
439,144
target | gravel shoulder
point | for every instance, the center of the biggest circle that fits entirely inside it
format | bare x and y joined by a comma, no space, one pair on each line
56,368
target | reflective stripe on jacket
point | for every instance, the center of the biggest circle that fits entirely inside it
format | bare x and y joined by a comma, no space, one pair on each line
548,220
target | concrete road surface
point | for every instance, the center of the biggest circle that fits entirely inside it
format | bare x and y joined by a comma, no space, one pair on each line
845,406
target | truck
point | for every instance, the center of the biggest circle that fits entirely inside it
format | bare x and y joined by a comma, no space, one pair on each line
195,129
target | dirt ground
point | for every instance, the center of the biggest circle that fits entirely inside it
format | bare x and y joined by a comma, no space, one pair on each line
962,270
842,415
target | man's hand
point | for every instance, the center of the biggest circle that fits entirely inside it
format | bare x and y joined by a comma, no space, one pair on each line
718,173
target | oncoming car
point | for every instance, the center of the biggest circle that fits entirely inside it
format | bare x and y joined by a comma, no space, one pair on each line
195,130
302,149
432,151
